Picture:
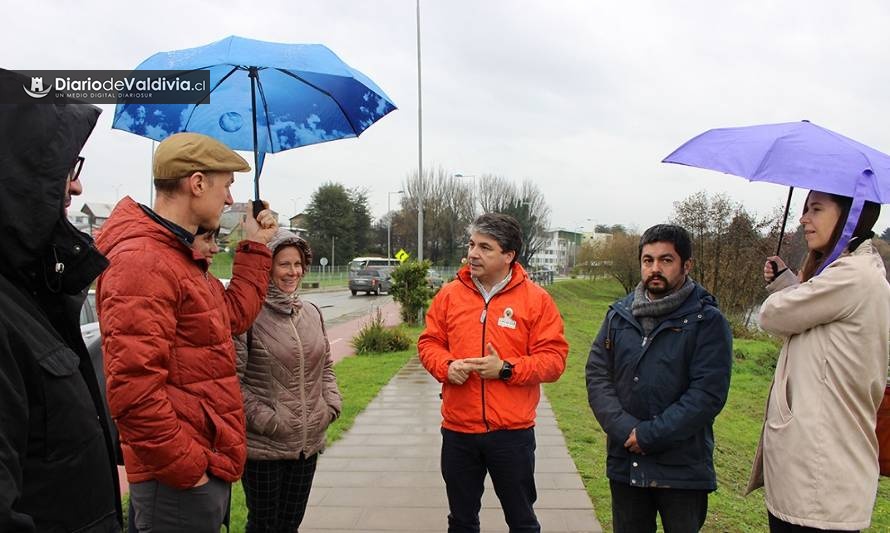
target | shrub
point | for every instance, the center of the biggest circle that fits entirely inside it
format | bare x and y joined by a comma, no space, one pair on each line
375,337
411,289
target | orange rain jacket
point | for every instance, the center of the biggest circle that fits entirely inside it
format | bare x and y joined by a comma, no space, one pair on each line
523,324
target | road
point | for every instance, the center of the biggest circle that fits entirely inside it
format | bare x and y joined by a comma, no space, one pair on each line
341,306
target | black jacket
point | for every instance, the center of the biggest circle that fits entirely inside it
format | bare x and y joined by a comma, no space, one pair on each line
56,471
669,386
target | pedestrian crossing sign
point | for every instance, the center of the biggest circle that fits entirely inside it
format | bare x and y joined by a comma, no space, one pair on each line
402,256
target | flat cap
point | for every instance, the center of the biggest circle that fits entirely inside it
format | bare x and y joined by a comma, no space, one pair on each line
182,154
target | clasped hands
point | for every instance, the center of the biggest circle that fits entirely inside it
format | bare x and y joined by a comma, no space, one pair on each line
488,367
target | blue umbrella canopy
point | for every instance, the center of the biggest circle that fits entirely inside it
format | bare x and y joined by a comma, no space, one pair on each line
265,97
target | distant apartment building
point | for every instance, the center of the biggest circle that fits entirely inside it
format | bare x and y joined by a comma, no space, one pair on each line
558,251
562,247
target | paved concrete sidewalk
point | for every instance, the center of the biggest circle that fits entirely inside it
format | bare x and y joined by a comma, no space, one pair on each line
383,475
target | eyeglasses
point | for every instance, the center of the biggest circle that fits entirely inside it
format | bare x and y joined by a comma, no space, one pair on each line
74,173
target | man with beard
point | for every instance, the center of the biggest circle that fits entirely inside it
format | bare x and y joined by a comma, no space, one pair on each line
657,375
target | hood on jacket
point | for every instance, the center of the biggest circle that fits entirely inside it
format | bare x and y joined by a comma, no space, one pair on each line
40,143
284,237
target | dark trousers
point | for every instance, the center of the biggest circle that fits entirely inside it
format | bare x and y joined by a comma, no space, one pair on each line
276,493
780,526
158,508
634,509
509,458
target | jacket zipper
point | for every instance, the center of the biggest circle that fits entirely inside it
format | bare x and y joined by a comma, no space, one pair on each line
484,321
302,385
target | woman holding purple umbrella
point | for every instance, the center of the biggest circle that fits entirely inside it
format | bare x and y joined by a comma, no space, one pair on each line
818,454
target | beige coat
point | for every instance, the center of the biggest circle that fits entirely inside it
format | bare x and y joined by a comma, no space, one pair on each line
818,454
287,379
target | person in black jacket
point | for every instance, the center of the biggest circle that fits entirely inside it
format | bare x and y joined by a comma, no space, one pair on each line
57,471
657,375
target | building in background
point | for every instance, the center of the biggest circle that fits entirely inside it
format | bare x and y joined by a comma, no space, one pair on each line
97,214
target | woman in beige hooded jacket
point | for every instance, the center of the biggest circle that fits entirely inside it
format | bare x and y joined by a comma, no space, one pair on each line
290,393
818,455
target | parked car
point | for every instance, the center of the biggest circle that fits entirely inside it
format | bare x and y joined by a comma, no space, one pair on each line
89,319
370,281
92,338
434,279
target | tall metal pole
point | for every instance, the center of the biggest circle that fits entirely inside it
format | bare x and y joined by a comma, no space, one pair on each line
388,228
419,148
151,181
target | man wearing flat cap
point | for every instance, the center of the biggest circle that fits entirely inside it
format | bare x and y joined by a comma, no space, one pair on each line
167,337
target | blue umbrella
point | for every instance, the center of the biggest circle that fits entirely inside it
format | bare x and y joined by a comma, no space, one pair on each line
265,97
798,154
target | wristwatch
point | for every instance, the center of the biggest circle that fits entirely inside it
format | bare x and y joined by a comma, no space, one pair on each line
506,371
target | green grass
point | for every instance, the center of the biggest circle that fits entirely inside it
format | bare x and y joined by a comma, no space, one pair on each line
222,268
222,265
737,429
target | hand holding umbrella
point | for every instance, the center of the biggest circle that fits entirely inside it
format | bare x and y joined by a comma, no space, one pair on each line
262,227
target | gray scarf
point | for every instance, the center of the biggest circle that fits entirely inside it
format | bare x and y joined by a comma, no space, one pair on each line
649,313
283,302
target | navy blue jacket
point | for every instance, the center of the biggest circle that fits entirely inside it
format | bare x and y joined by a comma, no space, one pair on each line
669,386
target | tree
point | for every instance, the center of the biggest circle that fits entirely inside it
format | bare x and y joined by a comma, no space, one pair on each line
411,289
448,208
729,248
338,217
620,258
590,262
525,203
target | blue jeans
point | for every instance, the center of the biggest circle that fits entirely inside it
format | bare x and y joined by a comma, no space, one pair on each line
509,457
634,509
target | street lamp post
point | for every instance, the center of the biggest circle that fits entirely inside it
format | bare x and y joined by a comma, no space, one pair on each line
419,151
473,176
389,223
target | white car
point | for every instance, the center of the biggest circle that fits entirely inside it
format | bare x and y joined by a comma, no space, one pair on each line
89,319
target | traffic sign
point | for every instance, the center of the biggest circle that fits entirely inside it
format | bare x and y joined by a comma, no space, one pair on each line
402,256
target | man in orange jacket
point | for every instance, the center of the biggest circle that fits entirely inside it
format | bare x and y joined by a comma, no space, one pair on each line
492,338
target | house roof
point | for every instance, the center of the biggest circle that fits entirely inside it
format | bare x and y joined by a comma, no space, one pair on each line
97,210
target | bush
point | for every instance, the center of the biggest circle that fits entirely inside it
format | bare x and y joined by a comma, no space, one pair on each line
411,289
375,337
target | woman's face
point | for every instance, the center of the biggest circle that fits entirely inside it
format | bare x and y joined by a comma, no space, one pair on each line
287,269
205,244
820,215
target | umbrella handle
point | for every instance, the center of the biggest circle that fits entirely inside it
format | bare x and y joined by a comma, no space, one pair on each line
775,266
257,206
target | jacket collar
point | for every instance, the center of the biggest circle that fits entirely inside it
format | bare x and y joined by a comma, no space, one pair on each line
517,276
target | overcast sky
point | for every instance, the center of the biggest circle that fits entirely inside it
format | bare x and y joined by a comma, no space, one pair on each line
583,97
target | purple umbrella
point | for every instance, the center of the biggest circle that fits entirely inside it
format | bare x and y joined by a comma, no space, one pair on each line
798,154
